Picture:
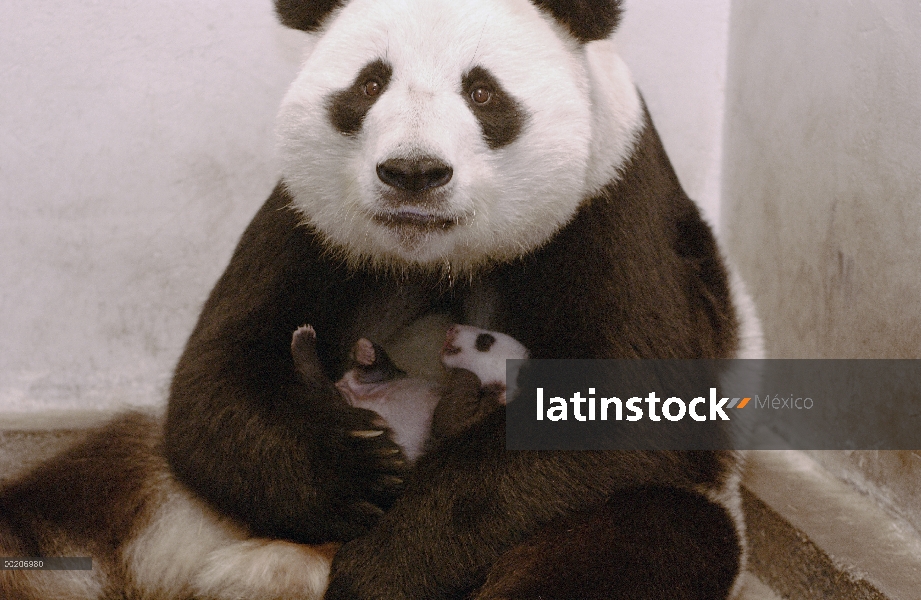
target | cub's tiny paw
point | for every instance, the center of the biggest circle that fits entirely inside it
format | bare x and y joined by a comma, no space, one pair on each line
370,364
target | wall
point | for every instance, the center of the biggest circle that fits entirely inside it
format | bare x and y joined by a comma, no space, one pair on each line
822,186
677,50
822,193
136,143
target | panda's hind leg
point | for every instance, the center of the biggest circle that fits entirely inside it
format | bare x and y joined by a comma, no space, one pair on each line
262,569
648,543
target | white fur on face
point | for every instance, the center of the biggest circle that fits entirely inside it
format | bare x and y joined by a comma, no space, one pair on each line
617,114
504,201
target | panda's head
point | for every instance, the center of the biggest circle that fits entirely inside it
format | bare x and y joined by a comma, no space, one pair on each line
446,133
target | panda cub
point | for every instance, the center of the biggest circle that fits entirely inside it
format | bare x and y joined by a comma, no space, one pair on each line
113,497
419,412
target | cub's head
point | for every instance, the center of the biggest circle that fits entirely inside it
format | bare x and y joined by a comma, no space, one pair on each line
448,134
481,352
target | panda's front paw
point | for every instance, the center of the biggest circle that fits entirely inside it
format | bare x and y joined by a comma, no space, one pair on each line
370,467
361,571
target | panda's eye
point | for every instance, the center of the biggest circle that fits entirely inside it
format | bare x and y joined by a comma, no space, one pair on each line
372,88
481,95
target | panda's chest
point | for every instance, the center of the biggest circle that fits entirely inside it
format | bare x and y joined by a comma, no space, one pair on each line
416,348
411,322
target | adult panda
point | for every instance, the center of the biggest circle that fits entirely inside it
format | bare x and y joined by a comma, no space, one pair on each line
488,162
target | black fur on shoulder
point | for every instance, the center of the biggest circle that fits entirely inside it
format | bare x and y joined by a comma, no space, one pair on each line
305,15
587,20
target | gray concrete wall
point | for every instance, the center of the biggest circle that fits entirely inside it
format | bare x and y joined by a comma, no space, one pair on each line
822,193
822,173
135,144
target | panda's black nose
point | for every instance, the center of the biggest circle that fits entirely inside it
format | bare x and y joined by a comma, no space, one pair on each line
414,174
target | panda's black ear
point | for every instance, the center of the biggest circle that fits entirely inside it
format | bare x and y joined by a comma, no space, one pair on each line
306,15
587,20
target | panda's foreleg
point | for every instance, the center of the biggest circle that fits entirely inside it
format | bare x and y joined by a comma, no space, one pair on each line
286,456
647,543
304,354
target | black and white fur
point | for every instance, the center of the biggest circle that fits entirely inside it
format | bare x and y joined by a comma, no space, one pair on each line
488,162
418,412
112,497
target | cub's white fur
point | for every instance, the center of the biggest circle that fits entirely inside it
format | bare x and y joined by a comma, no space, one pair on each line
489,365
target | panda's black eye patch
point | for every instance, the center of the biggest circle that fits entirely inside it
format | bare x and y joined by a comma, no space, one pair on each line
347,108
484,342
501,117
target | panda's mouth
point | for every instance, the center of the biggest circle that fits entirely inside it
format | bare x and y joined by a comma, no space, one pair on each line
416,219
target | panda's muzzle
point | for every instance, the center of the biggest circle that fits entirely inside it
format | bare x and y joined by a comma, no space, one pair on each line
414,194
414,175
415,219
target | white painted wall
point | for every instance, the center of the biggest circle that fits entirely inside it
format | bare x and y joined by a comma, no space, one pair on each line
136,143
822,195
677,50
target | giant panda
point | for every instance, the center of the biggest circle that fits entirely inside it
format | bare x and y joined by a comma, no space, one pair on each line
113,498
488,162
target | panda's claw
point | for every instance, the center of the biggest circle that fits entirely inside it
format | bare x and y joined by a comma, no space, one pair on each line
388,452
369,466
368,509
367,433
388,483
